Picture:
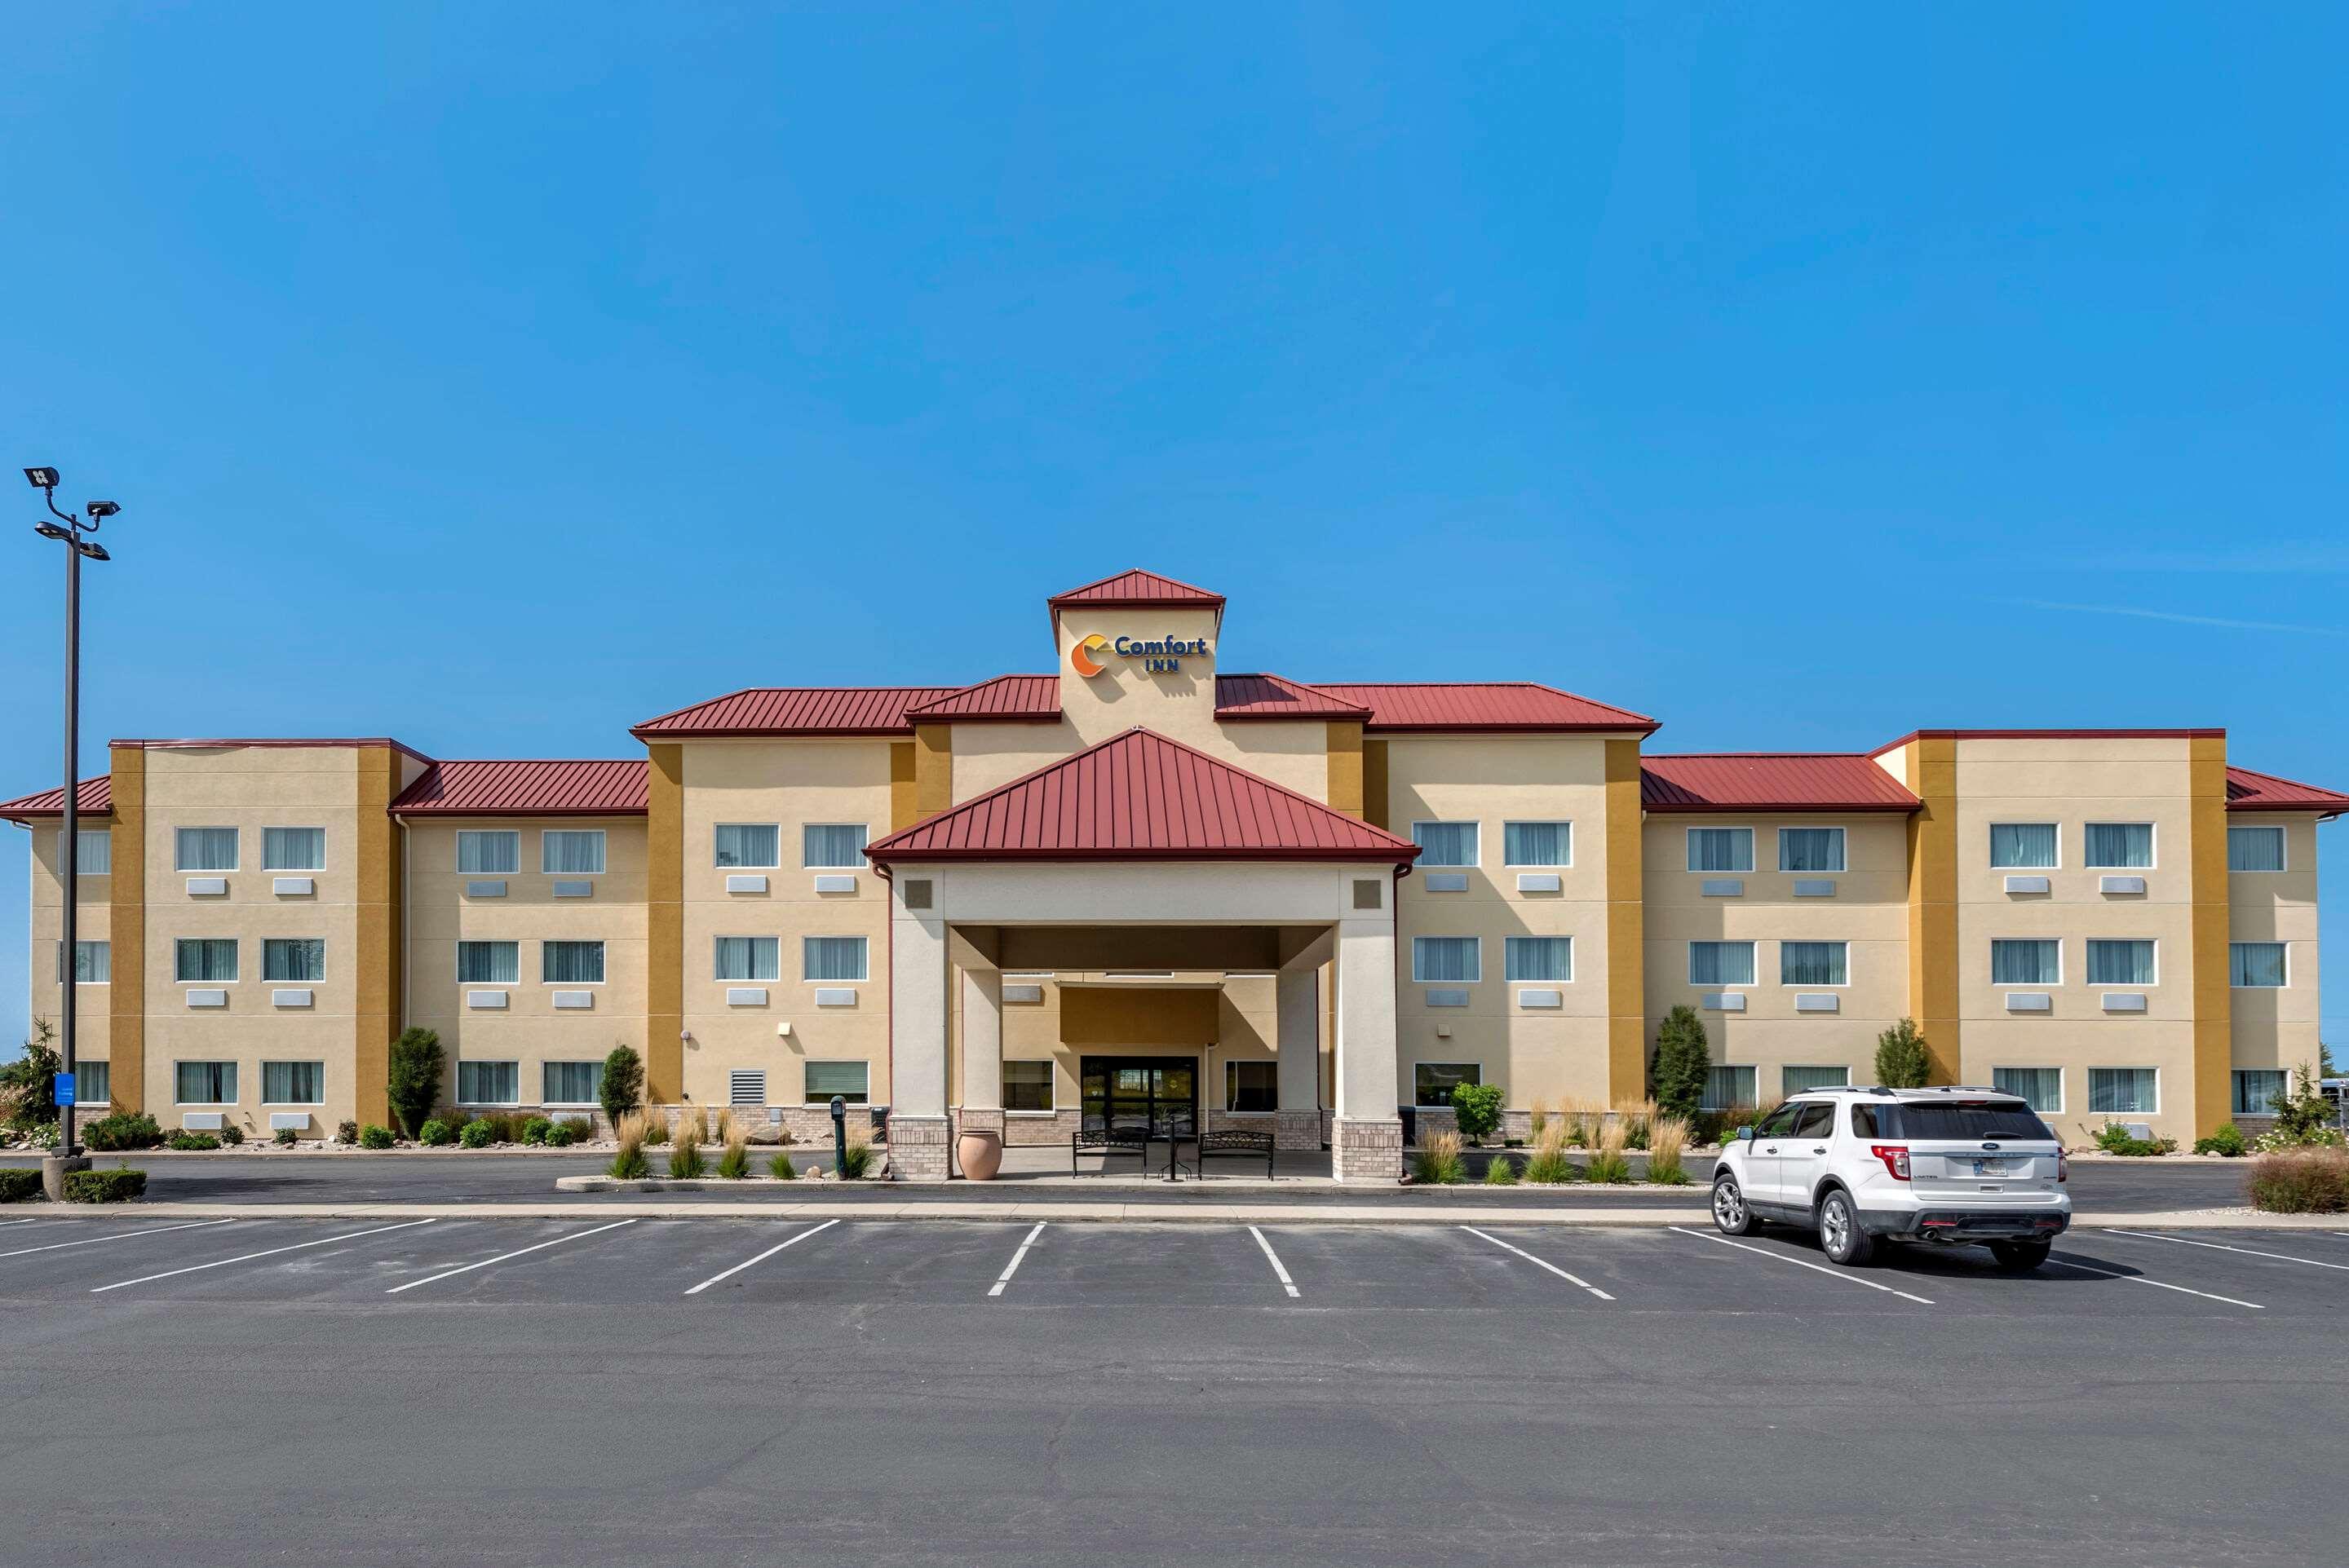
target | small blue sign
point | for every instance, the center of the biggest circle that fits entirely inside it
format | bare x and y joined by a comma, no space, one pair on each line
62,1093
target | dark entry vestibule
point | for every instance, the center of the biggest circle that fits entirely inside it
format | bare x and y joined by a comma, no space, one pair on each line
1157,1095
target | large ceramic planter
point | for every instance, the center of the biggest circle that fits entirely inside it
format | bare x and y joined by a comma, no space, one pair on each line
979,1152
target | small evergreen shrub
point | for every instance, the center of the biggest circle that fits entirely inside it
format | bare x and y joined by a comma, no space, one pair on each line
2306,1182
285,1137
535,1128
122,1186
374,1136
1501,1173
123,1130
1684,1061
1476,1109
781,1169
1437,1162
17,1185
855,1161
413,1080
685,1160
478,1133
1901,1059
436,1134
561,1135
622,1088
734,1164
2227,1140
347,1133
188,1142
230,1134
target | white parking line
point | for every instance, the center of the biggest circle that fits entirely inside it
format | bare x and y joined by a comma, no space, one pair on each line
762,1257
124,1236
2222,1247
1816,1268
469,1268
1013,1266
2158,1284
1540,1262
224,1262
5,1223
1286,1283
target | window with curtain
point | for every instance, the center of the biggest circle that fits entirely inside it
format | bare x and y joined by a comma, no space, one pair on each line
2255,966
1802,1080
1546,958
2030,961
1027,1085
2122,1091
571,963
1810,848
2128,845
571,1083
749,958
1721,848
2257,1090
1725,1087
2114,962
752,844
1721,963
205,960
489,962
293,849
2023,846
2255,849
1813,963
1431,1083
206,849
835,844
293,1083
1538,844
833,958
1251,1086
1445,843
489,1083
292,958
204,1083
93,963
93,1082
1446,960
570,851
846,1080
488,851
2041,1089
93,854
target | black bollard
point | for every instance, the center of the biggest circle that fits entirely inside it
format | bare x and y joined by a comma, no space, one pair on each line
840,1138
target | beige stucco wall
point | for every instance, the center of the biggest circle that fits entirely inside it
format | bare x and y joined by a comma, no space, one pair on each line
48,928
2278,1029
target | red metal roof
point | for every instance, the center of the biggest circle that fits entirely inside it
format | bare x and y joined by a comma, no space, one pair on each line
526,789
1136,588
2250,791
1011,698
1273,696
95,798
798,710
1141,797
1771,781
1482,707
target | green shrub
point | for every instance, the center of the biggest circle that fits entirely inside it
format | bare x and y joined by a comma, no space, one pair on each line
855,1161
622,1088
561,1135
1501,1173
1548,1166
628,1164
374,1136
28,1100
2114,1139
230,1134
285,1137
685,1160
436,1134
781,1169
2305,1182
123,1130
186,1141
535,1128
1684,1061
1901,1059
348,1134
17,1185
478,1133
1437,1162
1476,1109
2305,1117
121,1186
734,1164
414,1078
2227,1140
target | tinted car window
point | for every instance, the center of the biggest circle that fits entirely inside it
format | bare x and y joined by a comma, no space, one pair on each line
1862,1121
1818,1119
1779,1122
1973,1119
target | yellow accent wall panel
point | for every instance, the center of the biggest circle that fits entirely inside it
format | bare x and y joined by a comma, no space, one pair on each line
933,769
1931,775
1346,766
665,924
1626,1046
126,930
376,1008
1375,808
2211,917
904,804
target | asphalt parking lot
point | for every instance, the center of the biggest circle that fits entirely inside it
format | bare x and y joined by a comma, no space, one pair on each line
724,1390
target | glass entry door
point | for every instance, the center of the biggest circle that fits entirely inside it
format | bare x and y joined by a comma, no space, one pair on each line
1159,1095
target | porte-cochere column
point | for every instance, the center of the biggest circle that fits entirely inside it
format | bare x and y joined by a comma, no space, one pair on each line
1367,1141
919,1014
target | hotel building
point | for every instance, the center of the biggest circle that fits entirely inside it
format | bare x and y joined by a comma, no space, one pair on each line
1138,887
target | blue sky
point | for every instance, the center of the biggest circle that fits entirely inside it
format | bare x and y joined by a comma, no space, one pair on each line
495,376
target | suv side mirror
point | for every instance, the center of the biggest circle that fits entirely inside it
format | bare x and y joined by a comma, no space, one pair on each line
1745,1134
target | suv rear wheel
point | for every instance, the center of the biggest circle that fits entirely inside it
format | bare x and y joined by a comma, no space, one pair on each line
1840,1236
1730,1214
2020,1257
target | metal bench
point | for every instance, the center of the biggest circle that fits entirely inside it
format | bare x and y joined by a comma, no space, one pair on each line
1108,1140
1244,1145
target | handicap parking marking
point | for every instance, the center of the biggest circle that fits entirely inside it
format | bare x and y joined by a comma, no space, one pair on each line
762,1257
1539,1263
1843,1275
2140,1279
1274,1258
1013,1266
2222,1247
502,1257
118,1236
249,1257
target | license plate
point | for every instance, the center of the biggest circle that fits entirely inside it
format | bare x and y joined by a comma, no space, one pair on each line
1993,1168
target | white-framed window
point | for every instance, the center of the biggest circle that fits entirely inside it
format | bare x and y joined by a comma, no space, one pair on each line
295,959
1549,959
2118,962
204,960
753,846
1251,1086
747,1086
1813,963
2257,848
571,963
1445,843
93,1082
1447,960
2024,846
570,851
2257,965
2041,1089
1726,1087
488,851
93,963
749,958
1796,1080
2026,961
1028,1086
488,964
489,1083
2124,1092
1538,844
832,959
2126,846
293,1083
1810,848
2257,1089
1721,848
848,1080
293,849
571,1083
833,845
205,849
94,855
204,1083
1720,962
1431,1083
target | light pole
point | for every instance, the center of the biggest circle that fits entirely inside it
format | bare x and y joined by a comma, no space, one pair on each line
68,1155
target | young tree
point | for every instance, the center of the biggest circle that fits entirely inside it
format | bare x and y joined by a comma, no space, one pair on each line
414,1075
1901,1059
1476,1107
28,1084
623,1088
1683,1062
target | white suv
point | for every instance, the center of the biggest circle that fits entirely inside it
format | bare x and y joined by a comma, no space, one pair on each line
1946,1165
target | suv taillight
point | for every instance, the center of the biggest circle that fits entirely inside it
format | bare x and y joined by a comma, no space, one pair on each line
1895,1157
2063,1166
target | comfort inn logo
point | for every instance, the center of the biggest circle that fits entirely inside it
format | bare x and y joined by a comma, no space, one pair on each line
1084,657
1158,654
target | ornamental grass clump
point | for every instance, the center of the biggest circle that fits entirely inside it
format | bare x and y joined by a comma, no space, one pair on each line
1438,1163
734,1165
1501,1173
1548,1166
1538,1120
628,1158
2305,1182
781,1169
855,1161
655,1126
1635,1117
685,1159
1665,1142
1607,1162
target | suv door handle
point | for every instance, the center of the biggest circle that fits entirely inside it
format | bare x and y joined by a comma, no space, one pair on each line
1818,1149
